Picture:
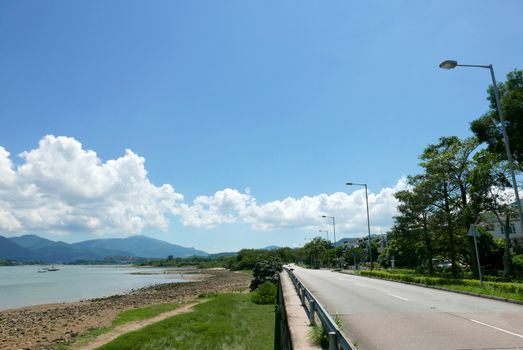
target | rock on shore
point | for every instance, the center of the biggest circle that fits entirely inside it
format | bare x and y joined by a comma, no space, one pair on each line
43,327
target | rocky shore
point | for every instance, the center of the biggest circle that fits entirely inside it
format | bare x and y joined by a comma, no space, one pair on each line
43,327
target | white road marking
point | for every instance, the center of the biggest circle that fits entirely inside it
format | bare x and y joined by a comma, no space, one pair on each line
497,328
396,296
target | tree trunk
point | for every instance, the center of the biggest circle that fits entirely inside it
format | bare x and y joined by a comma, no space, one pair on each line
507,261
450,232
467,222
428,245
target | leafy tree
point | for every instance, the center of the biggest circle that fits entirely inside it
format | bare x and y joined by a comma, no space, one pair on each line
448,165
487,129
316,252
489,180
266,270
416,208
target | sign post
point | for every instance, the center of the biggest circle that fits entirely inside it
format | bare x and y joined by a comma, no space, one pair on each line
473,231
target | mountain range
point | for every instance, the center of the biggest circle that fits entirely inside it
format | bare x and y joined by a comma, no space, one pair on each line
35,248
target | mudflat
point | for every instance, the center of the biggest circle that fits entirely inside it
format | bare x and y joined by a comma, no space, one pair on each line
45,326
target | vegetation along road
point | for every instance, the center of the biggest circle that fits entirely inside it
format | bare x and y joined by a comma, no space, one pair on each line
380,314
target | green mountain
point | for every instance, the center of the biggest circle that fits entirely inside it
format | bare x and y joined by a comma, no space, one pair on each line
142,246
58,251
10,250
35,248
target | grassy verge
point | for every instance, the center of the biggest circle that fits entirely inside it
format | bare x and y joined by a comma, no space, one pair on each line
227,321
506,290
122,318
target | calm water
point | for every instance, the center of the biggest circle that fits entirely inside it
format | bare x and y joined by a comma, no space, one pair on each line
23,286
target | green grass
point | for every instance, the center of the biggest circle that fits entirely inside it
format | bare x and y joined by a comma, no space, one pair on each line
122,318
227,321
507,290
143,313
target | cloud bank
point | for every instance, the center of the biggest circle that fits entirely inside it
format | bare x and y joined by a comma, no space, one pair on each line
231,206
62,188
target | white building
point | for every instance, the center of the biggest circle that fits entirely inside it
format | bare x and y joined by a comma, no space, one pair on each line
492,224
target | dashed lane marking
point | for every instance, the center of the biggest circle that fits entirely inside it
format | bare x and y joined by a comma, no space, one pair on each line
497,328
397,296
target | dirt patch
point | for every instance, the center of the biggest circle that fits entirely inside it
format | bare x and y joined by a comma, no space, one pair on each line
43,327
131,326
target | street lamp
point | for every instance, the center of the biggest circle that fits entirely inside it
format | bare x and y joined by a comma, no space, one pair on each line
333,225
450,64
368,219
326,232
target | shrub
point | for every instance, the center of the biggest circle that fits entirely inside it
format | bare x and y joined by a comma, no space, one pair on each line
517,262
265,294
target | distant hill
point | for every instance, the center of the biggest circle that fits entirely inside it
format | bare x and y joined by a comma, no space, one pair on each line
58,251
142,246
222,255
10,250
271,247
35,248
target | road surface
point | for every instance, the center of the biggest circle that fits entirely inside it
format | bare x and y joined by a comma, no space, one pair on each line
385,315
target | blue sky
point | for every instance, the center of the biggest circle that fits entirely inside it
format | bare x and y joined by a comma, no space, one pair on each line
270,100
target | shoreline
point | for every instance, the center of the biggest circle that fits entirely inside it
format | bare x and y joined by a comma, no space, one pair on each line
44,326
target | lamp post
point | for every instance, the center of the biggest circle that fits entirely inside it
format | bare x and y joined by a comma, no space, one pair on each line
326,232
368,219
333,225
450,64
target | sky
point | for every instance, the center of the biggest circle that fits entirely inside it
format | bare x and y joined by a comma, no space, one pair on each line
224,125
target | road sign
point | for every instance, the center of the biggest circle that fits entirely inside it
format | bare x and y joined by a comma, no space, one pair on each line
473,231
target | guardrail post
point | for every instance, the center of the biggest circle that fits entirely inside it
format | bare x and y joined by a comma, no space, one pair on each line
333,343
301,293
312,311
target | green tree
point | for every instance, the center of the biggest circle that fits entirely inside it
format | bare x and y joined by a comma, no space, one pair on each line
316,252
487,127
489,181
448,165
415,207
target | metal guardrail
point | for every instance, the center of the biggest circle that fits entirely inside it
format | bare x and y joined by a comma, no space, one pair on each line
313,308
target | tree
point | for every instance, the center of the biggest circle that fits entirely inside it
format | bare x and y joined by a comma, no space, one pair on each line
316,252
267,270
487,129
448,165
415,207
489,181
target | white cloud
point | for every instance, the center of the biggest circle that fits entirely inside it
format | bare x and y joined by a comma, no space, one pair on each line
229,206
63,188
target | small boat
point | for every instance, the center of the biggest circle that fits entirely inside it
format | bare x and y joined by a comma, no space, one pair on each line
53,268
42,270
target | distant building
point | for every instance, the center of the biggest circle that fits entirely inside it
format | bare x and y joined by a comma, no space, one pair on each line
492,225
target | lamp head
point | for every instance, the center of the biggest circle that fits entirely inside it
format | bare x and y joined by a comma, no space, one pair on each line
448,64
349,184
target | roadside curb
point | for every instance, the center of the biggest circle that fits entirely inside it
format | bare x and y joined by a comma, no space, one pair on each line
443,289
297,319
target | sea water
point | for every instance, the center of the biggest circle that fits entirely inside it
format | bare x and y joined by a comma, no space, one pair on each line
24,286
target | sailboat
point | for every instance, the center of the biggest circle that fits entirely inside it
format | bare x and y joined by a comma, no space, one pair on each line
53,268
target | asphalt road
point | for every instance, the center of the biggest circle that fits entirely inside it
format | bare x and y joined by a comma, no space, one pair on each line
384,315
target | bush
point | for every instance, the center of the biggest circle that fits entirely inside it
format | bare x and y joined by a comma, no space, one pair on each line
502,287
265,294
517,262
